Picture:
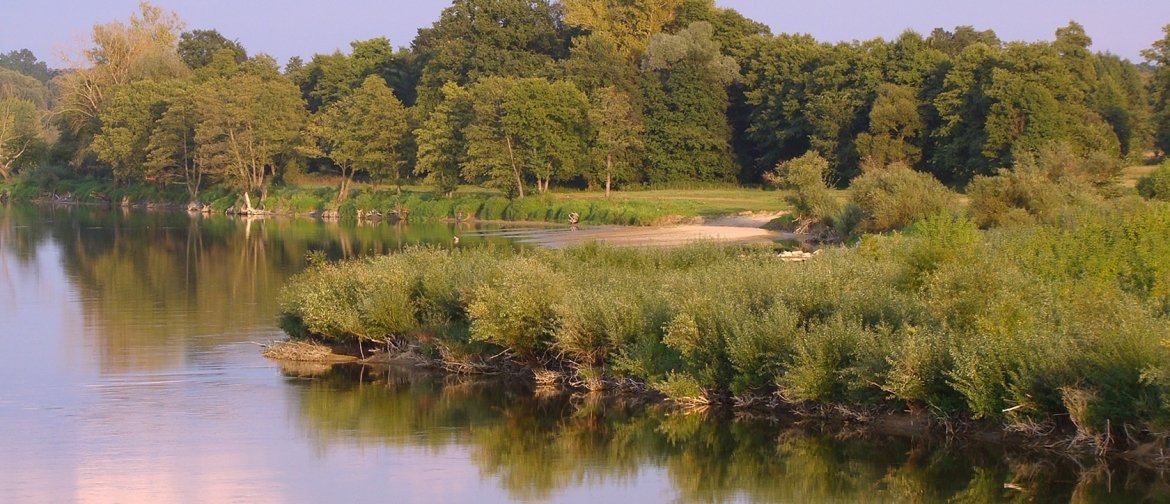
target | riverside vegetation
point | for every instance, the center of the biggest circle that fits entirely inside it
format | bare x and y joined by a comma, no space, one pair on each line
1056,320
541,445
522,97
1037,296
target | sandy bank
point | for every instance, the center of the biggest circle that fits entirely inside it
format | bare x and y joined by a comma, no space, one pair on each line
741,229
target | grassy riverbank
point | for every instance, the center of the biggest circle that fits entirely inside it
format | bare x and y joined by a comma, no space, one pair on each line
1061,326
314,195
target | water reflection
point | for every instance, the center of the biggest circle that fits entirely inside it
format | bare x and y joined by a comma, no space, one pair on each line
131,377
150,283
539,445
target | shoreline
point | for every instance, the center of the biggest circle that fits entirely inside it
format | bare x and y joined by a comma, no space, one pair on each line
744,228
1153,454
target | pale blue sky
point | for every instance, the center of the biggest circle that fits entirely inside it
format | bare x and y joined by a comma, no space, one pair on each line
286,28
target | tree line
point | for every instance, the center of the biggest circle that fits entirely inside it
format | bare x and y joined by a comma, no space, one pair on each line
525,95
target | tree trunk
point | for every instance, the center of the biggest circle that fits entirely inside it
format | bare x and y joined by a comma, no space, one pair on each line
343,192
608,173
515,170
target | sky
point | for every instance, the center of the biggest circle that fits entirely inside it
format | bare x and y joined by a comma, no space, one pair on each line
284,28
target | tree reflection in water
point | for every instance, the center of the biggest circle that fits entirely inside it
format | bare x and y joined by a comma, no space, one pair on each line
158,287
537,443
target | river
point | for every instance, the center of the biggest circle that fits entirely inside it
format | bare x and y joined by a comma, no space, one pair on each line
132,373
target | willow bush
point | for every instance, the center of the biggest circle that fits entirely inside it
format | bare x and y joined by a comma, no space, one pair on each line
1038,322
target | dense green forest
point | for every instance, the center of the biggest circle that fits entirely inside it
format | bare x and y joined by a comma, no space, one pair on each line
530,95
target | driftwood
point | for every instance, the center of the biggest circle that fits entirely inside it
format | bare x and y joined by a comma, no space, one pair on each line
798,256
198,207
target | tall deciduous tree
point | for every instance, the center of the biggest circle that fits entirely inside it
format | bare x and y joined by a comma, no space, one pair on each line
25,62
894,125
143,48
776,76
492,149
442,144
19,129
247,123
361,132
619,135
685,85
171,152
197,48
1122,99
963,106
628,24
954,42
525,129
1159,56
127,122
474,39
550,122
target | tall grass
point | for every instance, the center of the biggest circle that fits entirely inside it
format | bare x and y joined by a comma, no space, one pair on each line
1037,323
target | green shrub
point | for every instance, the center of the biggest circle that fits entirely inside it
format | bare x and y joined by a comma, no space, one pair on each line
829,363
325,302
895,197
494,208
682,388
811,197
918,363
595,321
935,241
531,208
447,281
1045,322
1033,191
757,346
1156,185
516,309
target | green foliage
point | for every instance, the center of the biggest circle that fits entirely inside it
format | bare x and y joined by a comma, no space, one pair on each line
23,61
938,240
618,141
247,124
442,146
1156,185
197,48
811,197
1040,188
1064,320
1159,55
128,119
685,86
895,197
894,125
474,39
525,129
362,131
19,132
517,308
511,94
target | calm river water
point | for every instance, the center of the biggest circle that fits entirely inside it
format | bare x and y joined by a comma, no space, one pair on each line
131,373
